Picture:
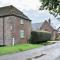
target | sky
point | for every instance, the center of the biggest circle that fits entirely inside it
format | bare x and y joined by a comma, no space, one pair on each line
31,9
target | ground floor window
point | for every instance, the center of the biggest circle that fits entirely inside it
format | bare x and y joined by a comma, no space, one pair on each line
21,33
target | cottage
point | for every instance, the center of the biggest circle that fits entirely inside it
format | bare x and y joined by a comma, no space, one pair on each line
15,27
46,26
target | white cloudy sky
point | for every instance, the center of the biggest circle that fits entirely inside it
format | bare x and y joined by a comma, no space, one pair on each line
22,4
30,8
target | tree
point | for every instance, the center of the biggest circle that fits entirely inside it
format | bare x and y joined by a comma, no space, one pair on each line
52,5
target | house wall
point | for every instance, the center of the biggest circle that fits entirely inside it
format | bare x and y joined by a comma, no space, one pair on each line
47,27
1,31
26,27
12,27
15,31
53,35
7,30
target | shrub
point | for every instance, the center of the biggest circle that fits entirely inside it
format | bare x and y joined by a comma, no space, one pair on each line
39,37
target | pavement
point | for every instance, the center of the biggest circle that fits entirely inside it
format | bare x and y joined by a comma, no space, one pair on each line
50,52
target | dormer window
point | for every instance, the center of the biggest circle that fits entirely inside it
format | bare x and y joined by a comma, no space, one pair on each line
22,21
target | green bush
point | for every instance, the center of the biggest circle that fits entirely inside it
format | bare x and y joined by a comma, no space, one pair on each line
39,37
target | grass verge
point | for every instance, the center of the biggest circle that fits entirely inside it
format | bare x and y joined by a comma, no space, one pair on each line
17,48
48,43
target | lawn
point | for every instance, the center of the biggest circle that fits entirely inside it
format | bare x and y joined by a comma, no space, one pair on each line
17,48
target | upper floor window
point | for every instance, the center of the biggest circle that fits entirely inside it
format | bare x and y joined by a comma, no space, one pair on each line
11,27
22,21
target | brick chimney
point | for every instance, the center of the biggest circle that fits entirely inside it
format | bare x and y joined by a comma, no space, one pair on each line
49,21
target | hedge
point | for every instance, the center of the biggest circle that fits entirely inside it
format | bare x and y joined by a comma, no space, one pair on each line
39,37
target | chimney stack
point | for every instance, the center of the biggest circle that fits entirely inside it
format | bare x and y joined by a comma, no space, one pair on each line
49,21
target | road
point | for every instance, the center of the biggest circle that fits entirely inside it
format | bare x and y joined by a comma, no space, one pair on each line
50,52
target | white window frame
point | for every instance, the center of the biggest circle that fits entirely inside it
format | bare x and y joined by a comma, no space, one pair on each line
22,34
22,21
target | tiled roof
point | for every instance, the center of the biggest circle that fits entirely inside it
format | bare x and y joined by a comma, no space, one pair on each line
37,26
11,10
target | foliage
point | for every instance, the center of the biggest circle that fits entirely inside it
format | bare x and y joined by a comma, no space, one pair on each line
52,5
39,37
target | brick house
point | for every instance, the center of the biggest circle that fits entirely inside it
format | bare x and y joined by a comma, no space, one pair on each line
46,26
15,27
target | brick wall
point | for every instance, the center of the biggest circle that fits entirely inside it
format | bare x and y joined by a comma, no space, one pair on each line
26,27
47,27
1,31
12,29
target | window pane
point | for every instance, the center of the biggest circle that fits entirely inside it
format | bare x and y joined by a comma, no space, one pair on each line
21,33
11,27
22,21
